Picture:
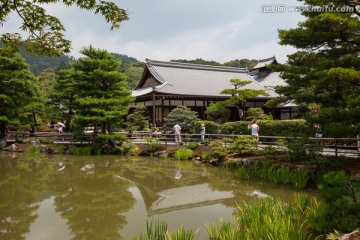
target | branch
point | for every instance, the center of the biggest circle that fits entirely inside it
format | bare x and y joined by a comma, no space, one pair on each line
21,16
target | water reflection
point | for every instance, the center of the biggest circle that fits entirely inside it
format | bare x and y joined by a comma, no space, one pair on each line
110,197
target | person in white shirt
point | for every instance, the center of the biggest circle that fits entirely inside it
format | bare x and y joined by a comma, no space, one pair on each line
177,132
254,129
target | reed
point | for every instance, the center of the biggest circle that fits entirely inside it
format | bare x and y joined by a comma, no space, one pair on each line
183,153
181,234
154,231
33,149
80,151
299,178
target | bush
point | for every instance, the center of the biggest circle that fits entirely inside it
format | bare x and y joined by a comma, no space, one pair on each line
210,127
302,150
183,153
244,144
271,128
192,145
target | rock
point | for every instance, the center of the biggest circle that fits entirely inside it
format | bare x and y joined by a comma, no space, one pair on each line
12,147
162,154
36,142
355,235
53,151
3,143
258,194
43,149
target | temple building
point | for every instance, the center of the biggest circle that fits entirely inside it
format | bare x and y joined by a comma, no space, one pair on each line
165,85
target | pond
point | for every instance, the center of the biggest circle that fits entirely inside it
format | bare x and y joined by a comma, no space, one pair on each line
63,197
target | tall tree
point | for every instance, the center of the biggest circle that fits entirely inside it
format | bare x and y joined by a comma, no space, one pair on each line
46,32
18,91
102,96
239,95
326,69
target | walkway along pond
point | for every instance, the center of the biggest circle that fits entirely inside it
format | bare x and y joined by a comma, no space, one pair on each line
111,197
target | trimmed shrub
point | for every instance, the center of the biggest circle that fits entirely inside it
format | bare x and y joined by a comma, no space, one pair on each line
210,127
244,144
271,128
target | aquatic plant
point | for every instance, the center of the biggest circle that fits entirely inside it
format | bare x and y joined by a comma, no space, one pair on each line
33,149
181,234
274,173
192,145
80,151
183,153
155,231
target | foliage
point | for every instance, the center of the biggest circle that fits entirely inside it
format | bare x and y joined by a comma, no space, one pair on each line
217,112
242,63
325,69
339,208
102,140
192,145
184,116
80,151
133,74
244,144
19,95
46,32
183,153
102,97
217,151
239,94
138,120
33,149
269,219
124,59
198,61
257,113
210,126
159,231
302,149
271,128
274,173
152,143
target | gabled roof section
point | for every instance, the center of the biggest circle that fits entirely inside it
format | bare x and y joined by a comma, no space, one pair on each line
273,79
192,79
267,61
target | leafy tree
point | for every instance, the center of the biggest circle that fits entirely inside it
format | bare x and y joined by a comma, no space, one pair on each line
138,120
183,115
217,111
102,97
46,32
242,63
257,113
125,59
198,61
18,91
325,70
239,95
133,74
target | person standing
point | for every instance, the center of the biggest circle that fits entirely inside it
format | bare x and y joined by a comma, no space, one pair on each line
202,131
254,129
177,132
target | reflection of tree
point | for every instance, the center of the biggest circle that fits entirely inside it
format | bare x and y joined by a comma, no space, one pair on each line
92,200
19,183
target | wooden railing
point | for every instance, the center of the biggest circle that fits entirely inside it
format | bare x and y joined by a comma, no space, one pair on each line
337,146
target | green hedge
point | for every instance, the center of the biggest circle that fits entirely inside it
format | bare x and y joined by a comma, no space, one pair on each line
271,128
210,127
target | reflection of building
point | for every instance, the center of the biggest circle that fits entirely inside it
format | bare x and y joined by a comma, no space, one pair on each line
165,85
187,196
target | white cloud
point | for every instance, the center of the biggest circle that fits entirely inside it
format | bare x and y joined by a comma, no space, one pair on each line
165,30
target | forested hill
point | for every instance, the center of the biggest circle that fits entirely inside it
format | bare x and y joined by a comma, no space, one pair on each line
239,63
39,63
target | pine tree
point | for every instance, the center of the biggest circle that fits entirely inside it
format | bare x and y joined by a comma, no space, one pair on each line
102,96
18,92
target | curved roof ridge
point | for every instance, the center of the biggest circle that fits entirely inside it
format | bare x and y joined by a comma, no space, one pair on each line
267,59
196,66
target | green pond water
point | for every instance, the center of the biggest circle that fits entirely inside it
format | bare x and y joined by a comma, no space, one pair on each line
60,197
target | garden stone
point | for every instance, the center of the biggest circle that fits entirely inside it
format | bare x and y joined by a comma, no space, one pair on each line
12,147
351,236
44,149
53,151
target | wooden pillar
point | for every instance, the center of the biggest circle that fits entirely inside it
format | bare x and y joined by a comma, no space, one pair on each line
153,109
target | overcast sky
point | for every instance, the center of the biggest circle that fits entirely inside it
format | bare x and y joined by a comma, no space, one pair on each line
219,30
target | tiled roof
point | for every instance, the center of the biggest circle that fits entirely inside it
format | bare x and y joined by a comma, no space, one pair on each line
264,62
271,80
194,79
